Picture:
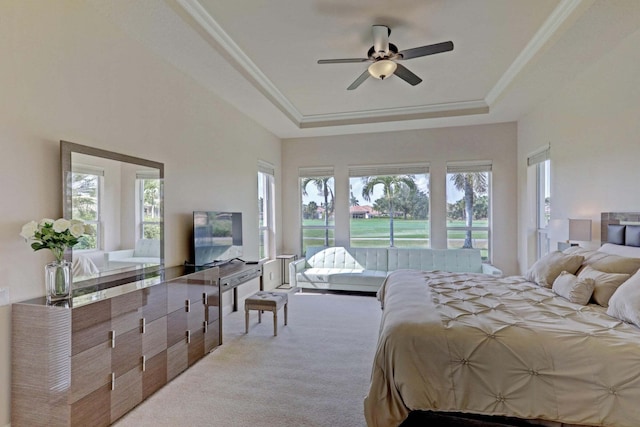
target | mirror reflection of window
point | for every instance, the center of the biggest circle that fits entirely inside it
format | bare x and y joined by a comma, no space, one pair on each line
86,182
148,206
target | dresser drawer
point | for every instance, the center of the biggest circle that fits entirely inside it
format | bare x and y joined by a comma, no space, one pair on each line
90,370
90,326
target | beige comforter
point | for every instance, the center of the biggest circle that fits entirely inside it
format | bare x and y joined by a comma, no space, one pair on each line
500,346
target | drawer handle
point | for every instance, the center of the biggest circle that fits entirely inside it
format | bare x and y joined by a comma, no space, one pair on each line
188,337
205,326
144,363
187,306
113,339
204,298
143,325
113,381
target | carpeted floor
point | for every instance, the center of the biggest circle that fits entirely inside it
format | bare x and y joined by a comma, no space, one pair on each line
314,373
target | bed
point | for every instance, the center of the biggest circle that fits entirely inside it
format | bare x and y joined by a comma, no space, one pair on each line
529,347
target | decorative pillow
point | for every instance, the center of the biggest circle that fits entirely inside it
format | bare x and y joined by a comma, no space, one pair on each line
548,268
607,262
625,302
606,283
615,234
628,251
614,263
576,290
577,250
632,235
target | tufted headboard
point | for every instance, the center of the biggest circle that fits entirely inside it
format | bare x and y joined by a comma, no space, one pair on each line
620,228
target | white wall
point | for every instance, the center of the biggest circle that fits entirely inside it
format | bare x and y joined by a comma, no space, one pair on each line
593,126
436,146
68,74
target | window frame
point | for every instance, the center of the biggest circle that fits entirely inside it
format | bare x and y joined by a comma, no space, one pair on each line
327,229
541,160
266,211
409,169
472,167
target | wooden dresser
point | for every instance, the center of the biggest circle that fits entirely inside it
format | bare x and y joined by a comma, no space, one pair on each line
90,360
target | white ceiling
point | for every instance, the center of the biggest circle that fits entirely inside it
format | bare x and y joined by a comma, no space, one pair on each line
261,56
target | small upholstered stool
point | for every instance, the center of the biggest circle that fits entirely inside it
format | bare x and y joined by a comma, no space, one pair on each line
266,301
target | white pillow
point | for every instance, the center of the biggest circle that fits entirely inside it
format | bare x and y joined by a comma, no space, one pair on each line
546,269
604,261
606,283
627,251
574,289
625,302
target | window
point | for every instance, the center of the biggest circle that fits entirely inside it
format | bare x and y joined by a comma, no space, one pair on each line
542,164
317,209
389,206
266,210
148,205
86,183
469,206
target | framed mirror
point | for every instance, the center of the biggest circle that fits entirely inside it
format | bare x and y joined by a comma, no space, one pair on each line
121,198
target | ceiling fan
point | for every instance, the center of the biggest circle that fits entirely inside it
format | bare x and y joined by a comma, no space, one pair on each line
384,56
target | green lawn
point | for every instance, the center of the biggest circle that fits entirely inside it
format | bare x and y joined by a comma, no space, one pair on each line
374,233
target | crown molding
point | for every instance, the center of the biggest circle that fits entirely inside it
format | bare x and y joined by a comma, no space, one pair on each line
239,59
559,15
396,114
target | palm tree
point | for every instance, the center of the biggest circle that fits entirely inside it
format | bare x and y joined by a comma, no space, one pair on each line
391,185
322,184
469,183
353,201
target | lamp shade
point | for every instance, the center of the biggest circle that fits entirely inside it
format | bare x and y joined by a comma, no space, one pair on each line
580,230
558,229
382,69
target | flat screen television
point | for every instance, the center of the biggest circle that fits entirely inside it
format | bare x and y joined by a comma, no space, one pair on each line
217,237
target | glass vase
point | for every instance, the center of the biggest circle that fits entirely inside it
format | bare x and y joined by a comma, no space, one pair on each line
57,275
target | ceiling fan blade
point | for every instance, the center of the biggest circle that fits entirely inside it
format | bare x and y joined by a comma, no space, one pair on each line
406,75
426,50
381,39
342,61
364,76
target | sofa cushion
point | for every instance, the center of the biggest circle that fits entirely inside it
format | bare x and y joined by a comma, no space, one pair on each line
349,258
348,276
148,248
453,260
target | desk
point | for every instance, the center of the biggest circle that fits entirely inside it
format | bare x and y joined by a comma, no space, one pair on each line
283,269
235,273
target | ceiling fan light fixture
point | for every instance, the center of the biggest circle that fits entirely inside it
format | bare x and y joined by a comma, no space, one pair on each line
382,69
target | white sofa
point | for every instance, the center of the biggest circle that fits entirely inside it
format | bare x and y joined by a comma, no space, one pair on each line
365,269
146,251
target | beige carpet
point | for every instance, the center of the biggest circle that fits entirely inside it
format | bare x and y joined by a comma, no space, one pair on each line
314,373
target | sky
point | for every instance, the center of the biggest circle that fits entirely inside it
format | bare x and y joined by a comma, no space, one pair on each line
422,183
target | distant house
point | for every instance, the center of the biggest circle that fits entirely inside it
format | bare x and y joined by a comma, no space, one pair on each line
363,212
319,214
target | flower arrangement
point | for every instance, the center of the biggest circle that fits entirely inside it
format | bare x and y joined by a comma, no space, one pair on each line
55,235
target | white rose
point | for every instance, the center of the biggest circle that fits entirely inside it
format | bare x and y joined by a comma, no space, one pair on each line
73,222
61,225
76,229
29,230
44,221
